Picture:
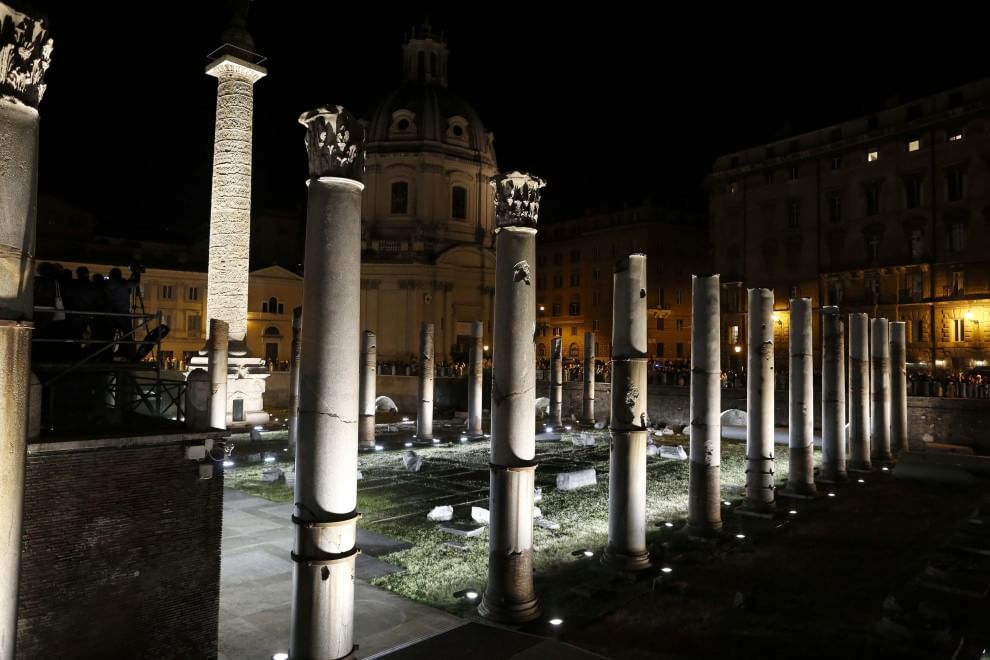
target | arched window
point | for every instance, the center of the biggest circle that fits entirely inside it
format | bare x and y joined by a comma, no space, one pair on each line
400,198
272,331
458,202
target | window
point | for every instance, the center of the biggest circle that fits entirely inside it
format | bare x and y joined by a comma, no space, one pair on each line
733,188
679,323
272,306
541,350
558,280
193,293
193,324
836,163
955,135
793,215
873,246
400,198
957,237
912,192
558,258
872,156
792,174
575,256
918,329
558,332
659,349
835,209
458,203
958,282
917,244
873,199
954,185
660,300
594,327
575,279
166,319
959,330
574,309
596,275
659,324
914,145
680,350
916,287
596,298
596,348
166,292
555,309
733,334
680,295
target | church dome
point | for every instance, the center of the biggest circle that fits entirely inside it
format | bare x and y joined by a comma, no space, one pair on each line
422,114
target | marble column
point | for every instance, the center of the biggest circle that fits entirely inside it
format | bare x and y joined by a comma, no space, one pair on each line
476,379
833,397
588,407
325,515
556,382
705,476
626,549
801,440
217,367
759,404
424,418
859,392
369,376
898,387
510,596
294,376
880,392
25,52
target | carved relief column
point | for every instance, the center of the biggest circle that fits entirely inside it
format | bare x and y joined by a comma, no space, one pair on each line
556,382
325,518
25,52
510,596
588,406
476,377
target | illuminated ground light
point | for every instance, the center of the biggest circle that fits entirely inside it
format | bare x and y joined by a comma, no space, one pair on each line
740,536
567,428
408,444
463,438
259,428
269,459
726,502
379,448
228,463
583,553
668,524
466,594
548,429
405,419
280,656
793,512
556,621
831,494
436,441
885,469
862,481
666,569
286,449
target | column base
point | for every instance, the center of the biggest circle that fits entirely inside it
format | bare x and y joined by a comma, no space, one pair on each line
859,466
799,492
756,510
366,431
704,531
832,478
882,459
618,560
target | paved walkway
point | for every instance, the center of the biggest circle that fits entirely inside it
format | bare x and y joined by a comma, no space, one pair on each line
256,587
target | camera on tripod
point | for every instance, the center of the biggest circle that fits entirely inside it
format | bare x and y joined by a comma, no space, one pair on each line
136,270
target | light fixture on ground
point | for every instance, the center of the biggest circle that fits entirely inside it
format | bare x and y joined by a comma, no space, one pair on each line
556,621
740,536
666,569
583,553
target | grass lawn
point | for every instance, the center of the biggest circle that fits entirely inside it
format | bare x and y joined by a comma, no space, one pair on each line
395,502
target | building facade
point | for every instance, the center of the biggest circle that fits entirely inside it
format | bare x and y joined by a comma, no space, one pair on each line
575,264
887,214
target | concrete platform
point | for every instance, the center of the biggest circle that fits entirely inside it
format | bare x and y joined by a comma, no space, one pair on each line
256,587
480,642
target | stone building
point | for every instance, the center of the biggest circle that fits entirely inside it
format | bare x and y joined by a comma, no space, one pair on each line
575,262
887,214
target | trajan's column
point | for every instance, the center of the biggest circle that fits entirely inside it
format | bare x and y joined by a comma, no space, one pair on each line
237,68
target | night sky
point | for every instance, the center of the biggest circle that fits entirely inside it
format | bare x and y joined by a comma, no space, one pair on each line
610,107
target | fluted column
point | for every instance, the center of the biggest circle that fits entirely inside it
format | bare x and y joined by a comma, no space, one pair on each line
898,387
833,397
801,480
880,392
322,623
510,596
230,205
25,51
859,392
369,375
476,379
759,404
626,549
424,418
217,367
704,479
294,376
588,407
556,382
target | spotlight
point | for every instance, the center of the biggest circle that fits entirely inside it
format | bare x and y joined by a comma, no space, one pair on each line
831,494
463,438
666,569
862,481
556,621
471,595
793,512
228,463
740,536
885,469
567,428
668,524
379,448
258,428
726,502
548,429
408,444
405,419
269,459
436,441
583,553
466,594
286,449
280,656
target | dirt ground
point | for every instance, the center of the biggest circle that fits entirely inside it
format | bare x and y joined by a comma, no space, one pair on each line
818,583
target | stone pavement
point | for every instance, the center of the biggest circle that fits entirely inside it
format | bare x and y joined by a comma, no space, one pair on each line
256,587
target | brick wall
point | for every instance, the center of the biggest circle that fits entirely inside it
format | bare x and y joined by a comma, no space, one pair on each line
121,553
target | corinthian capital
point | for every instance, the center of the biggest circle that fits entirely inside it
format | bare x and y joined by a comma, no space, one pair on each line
335,142
517,199
25,54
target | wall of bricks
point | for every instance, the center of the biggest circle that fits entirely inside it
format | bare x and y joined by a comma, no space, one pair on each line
121,554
